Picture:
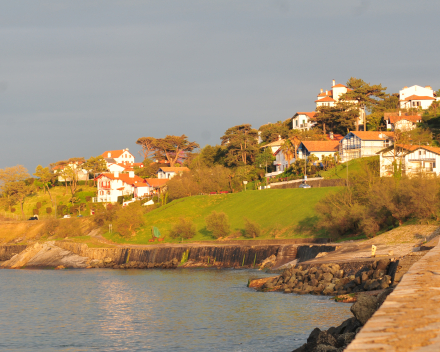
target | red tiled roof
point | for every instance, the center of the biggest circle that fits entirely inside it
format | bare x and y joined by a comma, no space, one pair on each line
174,169
412,118
114,153
325,99
373,135
311,115
327,93
156,182
336,137
123,177
339,85
412,148
139,184
321,146
418,97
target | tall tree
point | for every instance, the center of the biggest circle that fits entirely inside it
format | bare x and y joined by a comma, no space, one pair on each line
288,149
19,190
241,144
8,176
94,165
46,178
339,118
148,147
271,132
366,96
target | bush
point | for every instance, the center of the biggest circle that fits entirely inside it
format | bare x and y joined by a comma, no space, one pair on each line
105,214
38,206
128,219
251,229
88,199
183,229
48,210
218,224
35,212
12,210
61,209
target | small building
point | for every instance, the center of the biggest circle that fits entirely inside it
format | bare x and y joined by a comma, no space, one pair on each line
401,122
303,120
361,144
416,97
411,159
81,174
122,156
170,172
320,149
112,185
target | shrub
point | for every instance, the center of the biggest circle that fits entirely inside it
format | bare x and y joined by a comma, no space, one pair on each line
129,219
88,198
251,229
105,214
35,211
38,206
12,210
218,224
184,228
48,210
61,209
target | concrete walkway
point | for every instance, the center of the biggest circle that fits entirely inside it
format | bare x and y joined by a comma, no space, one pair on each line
409,319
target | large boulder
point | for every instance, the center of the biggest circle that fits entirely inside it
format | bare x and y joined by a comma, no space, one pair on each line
364,308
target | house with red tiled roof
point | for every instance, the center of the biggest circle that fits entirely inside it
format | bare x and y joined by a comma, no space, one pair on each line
169,172
401,122
75,165
112,185
320,149
121,156
360,144
303,120
411,160
331,97
417,97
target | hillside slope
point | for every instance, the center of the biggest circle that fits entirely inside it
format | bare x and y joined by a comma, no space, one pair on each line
289,210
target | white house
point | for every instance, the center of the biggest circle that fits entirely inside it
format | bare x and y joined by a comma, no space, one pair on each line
412,159
170,172
416,97
320,149
112,185
360,144
402,122
331,97
303,120
122,156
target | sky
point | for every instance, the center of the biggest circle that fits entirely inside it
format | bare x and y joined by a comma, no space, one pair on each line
78,78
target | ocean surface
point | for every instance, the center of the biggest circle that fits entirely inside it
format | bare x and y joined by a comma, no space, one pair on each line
154,310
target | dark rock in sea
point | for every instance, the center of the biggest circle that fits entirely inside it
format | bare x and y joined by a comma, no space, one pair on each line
364,308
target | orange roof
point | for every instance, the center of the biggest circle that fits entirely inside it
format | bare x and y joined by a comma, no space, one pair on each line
412,118
139,184
174,169
339,85
321,146
373,135
336,137
123,177
325,99
156,182
412,148
114,153
311,115
418,97
326,93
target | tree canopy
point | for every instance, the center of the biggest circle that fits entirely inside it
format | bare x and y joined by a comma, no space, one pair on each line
241,144
339,118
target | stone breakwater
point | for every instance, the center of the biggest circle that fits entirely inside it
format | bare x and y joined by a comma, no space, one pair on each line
330,279
336,339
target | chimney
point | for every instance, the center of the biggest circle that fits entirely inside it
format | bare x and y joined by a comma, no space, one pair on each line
400,113
331,135
333,83
429,87
116,174
321,90
326,92
405,87
109,155
126,149
131,174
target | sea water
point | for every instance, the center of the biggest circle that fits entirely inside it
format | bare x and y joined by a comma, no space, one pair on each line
154,310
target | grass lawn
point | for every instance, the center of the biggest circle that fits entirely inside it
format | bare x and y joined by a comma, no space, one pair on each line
340,171
289,210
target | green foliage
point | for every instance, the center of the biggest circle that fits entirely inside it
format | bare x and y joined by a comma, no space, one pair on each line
338,118
251,229
272,131
120,200
265,158
218,224
185,256
184,228
128,197
105,214
128,219
241,145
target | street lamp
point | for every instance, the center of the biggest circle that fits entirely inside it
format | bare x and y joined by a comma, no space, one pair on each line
245,183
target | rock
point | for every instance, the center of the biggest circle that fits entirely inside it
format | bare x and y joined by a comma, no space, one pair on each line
344,339
60,267
287,290
115,266
364,277
382,264
328,289
107,260
327,277
95,262
378,273
325,348
358,280
364,308
374,285
313,282
382,296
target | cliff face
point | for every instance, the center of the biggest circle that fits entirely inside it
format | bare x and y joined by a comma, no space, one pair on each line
8,251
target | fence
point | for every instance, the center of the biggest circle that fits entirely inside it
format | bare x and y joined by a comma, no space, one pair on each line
315,182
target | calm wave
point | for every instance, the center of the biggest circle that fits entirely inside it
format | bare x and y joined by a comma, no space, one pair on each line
154,310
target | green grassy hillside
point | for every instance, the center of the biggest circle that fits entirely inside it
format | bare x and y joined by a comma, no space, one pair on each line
291,211
355,165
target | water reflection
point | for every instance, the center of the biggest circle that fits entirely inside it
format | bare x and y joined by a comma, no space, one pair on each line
153,310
